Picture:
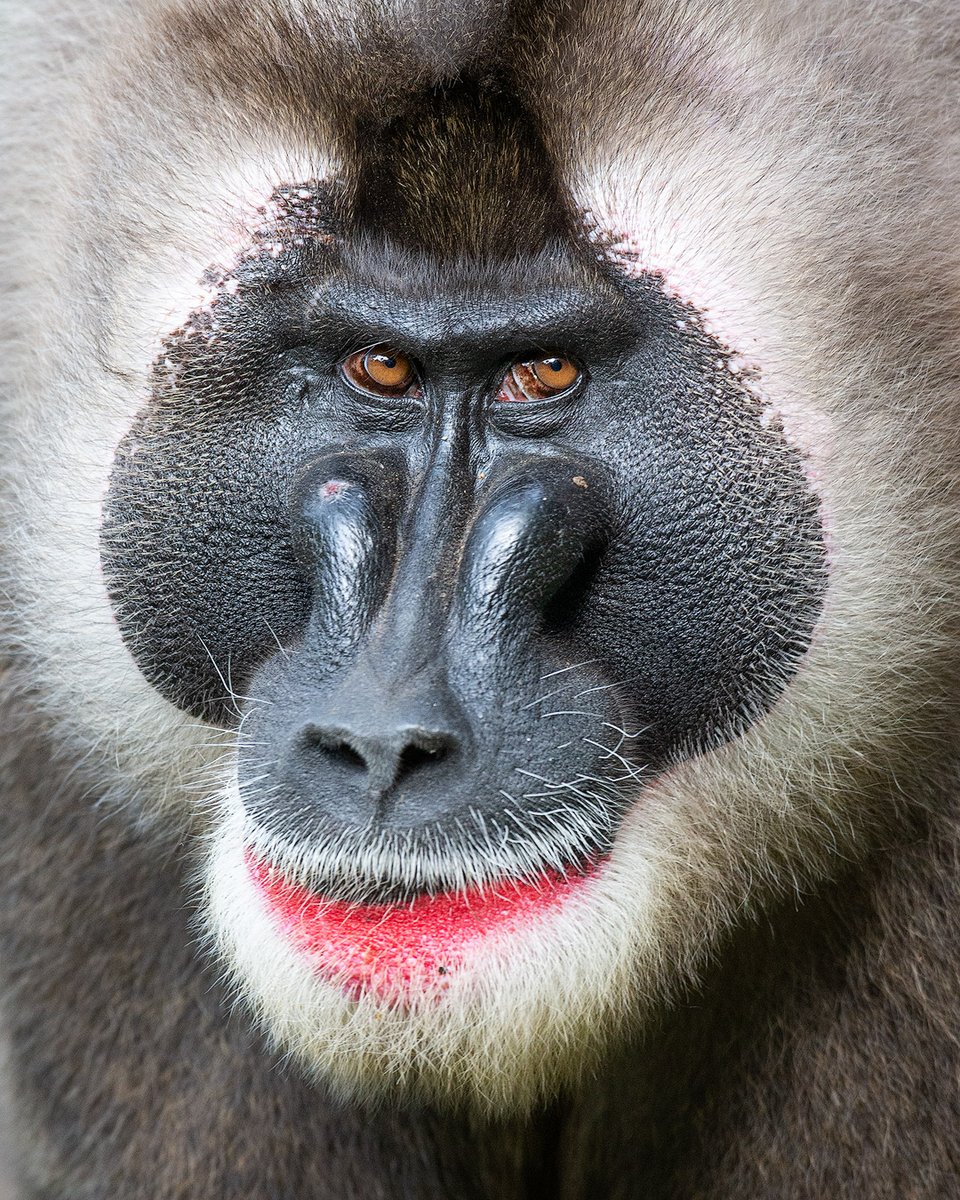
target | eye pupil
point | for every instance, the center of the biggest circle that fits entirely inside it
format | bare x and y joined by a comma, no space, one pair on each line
381,370
539,379
555,373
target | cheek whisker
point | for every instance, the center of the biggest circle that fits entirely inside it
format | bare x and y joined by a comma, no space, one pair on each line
573,712
573,667
541,699
608,752
606,687
280,646
623,733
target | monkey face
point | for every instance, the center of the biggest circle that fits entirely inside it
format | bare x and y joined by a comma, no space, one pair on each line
435,606
470,555
487,512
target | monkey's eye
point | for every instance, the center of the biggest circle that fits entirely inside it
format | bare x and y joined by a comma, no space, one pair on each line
381,370
539,379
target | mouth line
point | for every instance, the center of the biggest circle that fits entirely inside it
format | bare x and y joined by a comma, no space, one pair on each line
394,951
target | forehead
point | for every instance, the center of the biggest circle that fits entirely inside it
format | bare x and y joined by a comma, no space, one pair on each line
311,252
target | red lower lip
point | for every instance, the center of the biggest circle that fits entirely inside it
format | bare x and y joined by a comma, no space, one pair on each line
395,949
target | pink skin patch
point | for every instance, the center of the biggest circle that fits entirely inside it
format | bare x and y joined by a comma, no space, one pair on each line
394,949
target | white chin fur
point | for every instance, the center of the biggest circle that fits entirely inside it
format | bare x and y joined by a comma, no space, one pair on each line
517,1020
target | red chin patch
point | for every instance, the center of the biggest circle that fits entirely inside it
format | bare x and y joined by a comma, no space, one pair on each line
394,950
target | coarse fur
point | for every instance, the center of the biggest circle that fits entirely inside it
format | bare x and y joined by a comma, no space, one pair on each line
758,996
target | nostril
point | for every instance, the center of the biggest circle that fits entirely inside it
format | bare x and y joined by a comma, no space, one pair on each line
345,756
414,756
337,746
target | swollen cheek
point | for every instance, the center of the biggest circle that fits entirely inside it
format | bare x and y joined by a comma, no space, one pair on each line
392,951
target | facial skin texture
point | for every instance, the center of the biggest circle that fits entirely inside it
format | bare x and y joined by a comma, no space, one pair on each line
458,633
433,791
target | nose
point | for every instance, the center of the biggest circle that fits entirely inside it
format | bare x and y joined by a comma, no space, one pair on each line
385,757
427,624
379,747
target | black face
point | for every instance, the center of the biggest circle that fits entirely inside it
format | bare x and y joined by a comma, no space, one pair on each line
472,546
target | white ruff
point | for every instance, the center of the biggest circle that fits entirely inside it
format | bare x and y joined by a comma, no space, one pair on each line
501,1030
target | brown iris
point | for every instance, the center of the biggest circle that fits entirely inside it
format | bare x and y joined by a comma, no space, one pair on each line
382,370
539,379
